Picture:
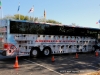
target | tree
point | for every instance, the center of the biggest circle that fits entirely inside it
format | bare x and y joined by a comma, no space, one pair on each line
35,19
17,16
26,18
53,21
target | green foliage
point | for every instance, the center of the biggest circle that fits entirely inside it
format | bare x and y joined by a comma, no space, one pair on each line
17,16
26,18
35,19
53,21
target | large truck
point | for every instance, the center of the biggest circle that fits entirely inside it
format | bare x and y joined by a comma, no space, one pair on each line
24,38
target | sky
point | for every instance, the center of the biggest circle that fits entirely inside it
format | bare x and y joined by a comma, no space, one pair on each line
84,13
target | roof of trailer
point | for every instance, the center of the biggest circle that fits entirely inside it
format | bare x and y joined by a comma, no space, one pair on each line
58,24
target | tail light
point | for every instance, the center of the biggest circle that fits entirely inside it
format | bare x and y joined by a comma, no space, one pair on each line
5,46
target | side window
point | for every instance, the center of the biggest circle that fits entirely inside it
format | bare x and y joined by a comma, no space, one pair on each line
32,28
40,28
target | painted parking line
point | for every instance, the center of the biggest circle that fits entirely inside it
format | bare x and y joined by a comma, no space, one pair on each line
43,66
73,59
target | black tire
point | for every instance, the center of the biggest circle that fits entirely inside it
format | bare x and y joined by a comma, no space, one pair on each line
48,50
35,52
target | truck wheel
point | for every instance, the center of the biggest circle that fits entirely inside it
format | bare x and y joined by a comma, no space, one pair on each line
34,52
47,51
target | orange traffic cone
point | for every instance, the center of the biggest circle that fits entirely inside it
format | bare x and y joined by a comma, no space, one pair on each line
16,63
96,54
76,55
52,59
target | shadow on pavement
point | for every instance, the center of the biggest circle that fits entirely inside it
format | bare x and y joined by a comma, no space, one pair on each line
62,64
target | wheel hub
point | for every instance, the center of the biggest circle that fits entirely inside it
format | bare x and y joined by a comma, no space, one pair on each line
46,51
34,52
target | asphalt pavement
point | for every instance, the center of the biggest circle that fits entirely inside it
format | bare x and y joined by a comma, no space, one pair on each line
63,65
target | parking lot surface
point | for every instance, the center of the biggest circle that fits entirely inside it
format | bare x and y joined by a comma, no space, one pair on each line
63,65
